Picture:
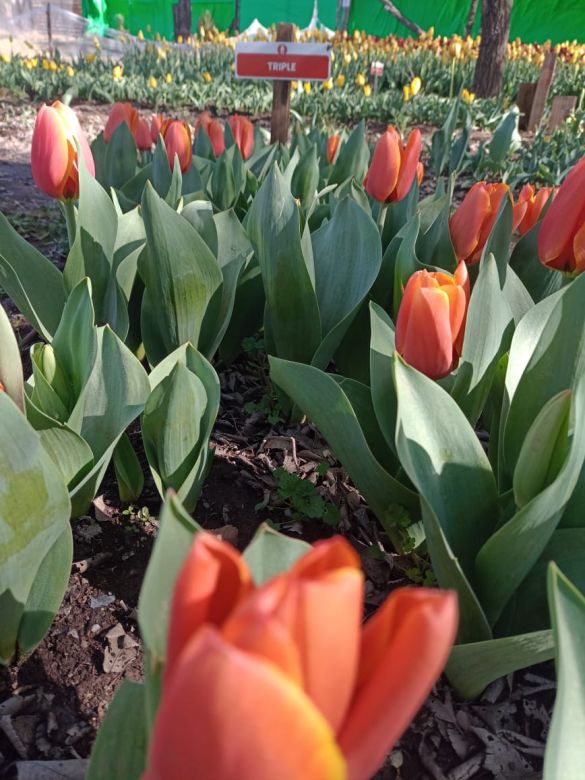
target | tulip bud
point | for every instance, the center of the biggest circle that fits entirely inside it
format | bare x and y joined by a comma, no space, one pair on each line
120,112
243,133
177,138
528,207
156,124
254,686
474,219
393,166
332,147
142,136
431,320
56,139
561,238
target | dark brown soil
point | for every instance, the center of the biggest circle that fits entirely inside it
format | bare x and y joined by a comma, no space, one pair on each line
52,702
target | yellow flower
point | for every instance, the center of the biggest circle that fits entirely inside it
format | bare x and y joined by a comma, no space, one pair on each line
207,77
53,65
415,86
347,58
406,93
332,56
5,58
455,49
294,85
168,78
179,39
467,96
34,61
360,79
152,82
89,58
140,35
70,71
367,90
45,63
117,72
328,84
341,80
307,87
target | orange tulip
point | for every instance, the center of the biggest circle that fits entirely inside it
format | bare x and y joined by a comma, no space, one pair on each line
56,138
142,135
393,166
332,147
243,133
255,686
474,219
156,124
561,239
528,207
177,138
120,112
431,320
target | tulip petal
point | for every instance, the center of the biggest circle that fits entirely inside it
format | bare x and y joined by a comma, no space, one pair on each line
579,248
227,715
426,341
562,220
216,136
466,223
211,582
384,167
496,192
408,166
404,648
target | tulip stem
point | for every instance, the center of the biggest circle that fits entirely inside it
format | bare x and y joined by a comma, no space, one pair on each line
68,210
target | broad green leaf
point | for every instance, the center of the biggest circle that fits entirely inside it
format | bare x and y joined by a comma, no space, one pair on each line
228,179
305,178
271,553
248,310
129,475
353,157
547,354
382,387
85,490
274,229
75,340
180,275
120,748
120,157
113,396
406,262
539,280
320,397
488,332
32,282
69,452
441,454
473,666
199,213
498,241
34,512
506,137
507,557
565,751
10,362
173,542
47,592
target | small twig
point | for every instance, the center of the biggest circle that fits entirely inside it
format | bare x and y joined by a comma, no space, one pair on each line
89,563
391,8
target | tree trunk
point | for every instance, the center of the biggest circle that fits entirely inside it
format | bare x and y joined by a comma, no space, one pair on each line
495,30
182,19
235,25
471,17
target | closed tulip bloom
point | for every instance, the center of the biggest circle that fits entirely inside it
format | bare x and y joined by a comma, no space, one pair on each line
528,207
56,138
393,166
119,113
431,320
255,685
177,138
474,219
332,147
561,238
142,136
214,130
243,133
156,124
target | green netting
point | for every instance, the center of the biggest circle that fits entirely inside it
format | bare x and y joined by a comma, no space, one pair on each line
532,20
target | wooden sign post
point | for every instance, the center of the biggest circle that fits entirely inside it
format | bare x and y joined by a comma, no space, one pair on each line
542,89
280,62
280,121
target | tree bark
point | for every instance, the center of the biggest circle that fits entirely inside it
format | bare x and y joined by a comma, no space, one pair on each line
495,30
235,25
391,8
182,19
471,17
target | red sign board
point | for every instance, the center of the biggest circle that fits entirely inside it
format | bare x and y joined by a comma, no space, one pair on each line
283,61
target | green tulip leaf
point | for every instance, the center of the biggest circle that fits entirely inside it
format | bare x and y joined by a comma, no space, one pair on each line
271,553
